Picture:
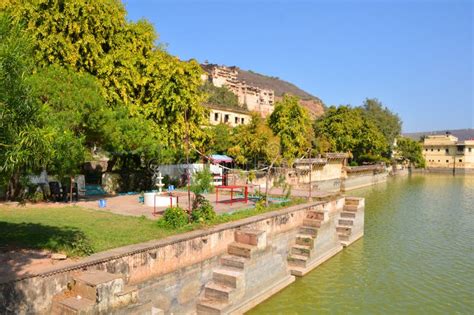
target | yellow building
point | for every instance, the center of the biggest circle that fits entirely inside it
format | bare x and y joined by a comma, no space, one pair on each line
232,117
445,152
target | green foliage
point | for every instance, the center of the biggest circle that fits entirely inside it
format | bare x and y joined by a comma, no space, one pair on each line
387,122
136,76
347,129
260,206
291,122
410,150
220,96
202,210
254,142
221,138
202,181
175,217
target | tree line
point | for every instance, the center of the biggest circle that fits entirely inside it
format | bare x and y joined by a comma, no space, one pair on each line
77,78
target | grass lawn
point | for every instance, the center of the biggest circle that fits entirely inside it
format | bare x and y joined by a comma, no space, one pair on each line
79,232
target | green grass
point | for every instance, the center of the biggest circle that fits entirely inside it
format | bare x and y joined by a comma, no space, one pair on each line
78,231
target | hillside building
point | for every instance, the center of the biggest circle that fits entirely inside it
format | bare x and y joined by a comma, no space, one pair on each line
251,97
446,152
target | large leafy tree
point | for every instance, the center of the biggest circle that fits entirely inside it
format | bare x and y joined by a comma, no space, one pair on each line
255,143
409,150
346,129
134,73
34,134
291,123
388,123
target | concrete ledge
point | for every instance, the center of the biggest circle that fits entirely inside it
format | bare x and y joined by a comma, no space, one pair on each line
247,305
129,250
299,272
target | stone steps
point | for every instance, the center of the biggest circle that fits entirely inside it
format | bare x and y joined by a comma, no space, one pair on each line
307,240
73,306
312,222
228,279
346,222
308,230
344,230
218,291
297,260
302,250
233,261
242,250
93,291
349,215
228,276
350,208
211,306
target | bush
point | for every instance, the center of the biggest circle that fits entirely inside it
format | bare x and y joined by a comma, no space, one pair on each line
260,205
175,217
202,210
202,181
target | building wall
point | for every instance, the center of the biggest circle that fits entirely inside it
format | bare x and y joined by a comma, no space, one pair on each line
232,118
446,152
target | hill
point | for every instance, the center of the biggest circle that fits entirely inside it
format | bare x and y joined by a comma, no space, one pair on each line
314,104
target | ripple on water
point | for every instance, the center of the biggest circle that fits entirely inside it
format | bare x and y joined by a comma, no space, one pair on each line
416,256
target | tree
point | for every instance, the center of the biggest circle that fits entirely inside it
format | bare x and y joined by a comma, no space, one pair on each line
134,73
254,142
346,129
23,144
387,122
409,150
291,123
220,138
220,96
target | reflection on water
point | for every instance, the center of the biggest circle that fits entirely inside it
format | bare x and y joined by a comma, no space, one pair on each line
417,255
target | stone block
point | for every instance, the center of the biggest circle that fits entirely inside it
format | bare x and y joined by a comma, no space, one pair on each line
252,237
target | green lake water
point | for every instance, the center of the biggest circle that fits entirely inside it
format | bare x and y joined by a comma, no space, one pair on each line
416,257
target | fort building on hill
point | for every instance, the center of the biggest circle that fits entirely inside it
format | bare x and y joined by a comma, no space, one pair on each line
250,97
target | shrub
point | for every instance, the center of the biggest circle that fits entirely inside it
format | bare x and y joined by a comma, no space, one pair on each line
260,205
202,181
202,210
175,217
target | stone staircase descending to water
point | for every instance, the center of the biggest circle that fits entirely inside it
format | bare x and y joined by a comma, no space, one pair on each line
350,225
228,280
94,292
302,252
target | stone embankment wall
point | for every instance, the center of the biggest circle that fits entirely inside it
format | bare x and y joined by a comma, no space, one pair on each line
224,269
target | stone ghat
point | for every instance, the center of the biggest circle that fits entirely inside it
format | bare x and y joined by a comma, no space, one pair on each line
226,269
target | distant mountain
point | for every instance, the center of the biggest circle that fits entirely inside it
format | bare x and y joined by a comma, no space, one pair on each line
314,104
461,134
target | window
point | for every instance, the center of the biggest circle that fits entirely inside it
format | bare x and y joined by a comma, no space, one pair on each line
236,120
447,150
431,149
243,121
439,161
447,161
460,160
226,118
216,116
426,150
438,150
469,149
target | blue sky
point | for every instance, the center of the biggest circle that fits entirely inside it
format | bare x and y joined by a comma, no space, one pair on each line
414,56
